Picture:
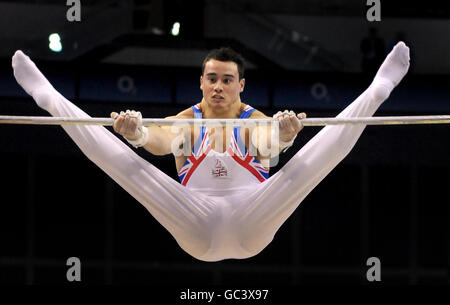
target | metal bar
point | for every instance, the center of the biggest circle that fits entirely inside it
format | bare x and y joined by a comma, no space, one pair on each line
388,120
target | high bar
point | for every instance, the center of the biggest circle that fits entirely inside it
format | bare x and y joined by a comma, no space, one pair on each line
381,120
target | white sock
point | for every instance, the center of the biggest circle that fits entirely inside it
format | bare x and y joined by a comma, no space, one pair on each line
391,72
33,81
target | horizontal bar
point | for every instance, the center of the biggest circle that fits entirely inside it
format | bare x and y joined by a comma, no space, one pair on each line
387,120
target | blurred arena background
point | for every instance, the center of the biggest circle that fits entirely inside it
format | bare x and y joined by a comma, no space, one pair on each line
388,199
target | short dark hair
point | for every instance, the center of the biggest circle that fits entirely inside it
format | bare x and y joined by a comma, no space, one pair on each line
226,54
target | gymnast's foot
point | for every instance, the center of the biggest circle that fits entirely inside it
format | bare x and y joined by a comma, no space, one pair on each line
33,81
392,71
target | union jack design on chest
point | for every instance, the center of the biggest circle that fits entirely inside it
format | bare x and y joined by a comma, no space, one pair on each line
237,150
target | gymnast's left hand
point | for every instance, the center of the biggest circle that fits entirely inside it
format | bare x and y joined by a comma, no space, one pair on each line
289,124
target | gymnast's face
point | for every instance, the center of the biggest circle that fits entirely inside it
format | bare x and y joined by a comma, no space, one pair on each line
220,84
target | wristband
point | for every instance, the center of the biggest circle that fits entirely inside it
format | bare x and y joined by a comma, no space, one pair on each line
142,140
285,145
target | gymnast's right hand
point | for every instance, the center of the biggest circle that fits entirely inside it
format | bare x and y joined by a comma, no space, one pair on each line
127,124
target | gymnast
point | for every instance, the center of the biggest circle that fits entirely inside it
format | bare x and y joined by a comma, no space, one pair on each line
226,206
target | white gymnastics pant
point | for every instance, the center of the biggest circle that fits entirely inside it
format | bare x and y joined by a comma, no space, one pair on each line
197,221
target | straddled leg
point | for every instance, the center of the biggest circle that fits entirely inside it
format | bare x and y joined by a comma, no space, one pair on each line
185,214
268,207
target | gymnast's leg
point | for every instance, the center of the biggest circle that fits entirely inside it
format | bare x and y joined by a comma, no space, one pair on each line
183,213
268,206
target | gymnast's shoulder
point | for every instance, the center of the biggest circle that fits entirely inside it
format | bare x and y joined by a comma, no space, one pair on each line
258,115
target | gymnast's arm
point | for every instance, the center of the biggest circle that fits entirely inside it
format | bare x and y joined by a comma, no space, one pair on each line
160,138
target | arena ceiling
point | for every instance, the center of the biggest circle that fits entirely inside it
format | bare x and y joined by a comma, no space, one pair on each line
114,31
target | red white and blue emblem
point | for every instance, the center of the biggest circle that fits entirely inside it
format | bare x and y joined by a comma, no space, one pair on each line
219,169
